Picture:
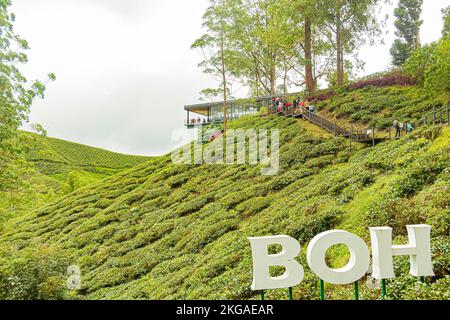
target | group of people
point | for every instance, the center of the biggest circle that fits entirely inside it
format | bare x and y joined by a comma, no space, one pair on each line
298,105
198,121
399,126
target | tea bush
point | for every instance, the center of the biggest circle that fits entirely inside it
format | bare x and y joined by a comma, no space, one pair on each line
166,231
37,273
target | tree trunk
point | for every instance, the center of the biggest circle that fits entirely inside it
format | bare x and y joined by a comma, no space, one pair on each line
309,78
285,75
224,79
339,49
257,77
272,79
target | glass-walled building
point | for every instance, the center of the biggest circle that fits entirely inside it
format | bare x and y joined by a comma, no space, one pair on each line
207,113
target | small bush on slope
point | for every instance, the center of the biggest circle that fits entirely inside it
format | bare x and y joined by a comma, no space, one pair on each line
37,273
165,231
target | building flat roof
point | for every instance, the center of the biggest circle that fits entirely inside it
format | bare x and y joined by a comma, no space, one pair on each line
202,108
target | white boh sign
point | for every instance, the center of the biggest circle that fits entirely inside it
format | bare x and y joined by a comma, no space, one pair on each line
418,249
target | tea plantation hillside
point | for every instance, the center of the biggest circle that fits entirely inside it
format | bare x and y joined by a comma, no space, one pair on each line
166,231
53,167
380,106
54,156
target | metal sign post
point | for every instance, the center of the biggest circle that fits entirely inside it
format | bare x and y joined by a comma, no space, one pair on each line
356,290
322,290
383,289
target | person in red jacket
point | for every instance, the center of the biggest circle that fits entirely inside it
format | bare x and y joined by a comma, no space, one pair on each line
274,104
288,106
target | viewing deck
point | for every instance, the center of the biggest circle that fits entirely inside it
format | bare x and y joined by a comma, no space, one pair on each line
212,113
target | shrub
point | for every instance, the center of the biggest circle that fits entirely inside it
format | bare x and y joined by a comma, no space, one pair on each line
253,206
308,226
421,173
393,212
393,79
430,64
38,273
435,291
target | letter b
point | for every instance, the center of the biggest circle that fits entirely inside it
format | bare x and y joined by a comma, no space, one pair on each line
262,261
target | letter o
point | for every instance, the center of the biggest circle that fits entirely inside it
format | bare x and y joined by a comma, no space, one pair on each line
356,267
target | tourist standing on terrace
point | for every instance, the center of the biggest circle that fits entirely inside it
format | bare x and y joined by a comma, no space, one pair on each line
397,128
409,127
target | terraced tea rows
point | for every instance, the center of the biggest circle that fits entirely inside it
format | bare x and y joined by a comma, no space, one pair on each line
171,231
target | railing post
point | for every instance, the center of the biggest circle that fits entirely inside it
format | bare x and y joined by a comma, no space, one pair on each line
351,137
373,136
435,114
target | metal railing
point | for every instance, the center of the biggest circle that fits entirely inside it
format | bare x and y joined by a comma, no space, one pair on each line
437,116
354,134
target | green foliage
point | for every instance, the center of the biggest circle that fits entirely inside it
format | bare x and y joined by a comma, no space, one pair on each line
408,25
17,95
430,64
347,25
446,18
379,107
51,150
37,273
420,173
166,231
253,206
51,167
308,226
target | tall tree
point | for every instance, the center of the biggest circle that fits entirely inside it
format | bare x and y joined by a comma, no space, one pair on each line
408,25
309,17
217,49
17,94
266,37
309,78
446,18
347,23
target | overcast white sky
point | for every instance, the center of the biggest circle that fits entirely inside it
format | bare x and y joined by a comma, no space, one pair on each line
125,69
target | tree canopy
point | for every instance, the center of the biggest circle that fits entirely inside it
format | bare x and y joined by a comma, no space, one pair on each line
408,25
271,45
17,92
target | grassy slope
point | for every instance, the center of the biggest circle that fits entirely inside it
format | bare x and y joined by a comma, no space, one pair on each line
381,106
174,231
48,151
55,167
